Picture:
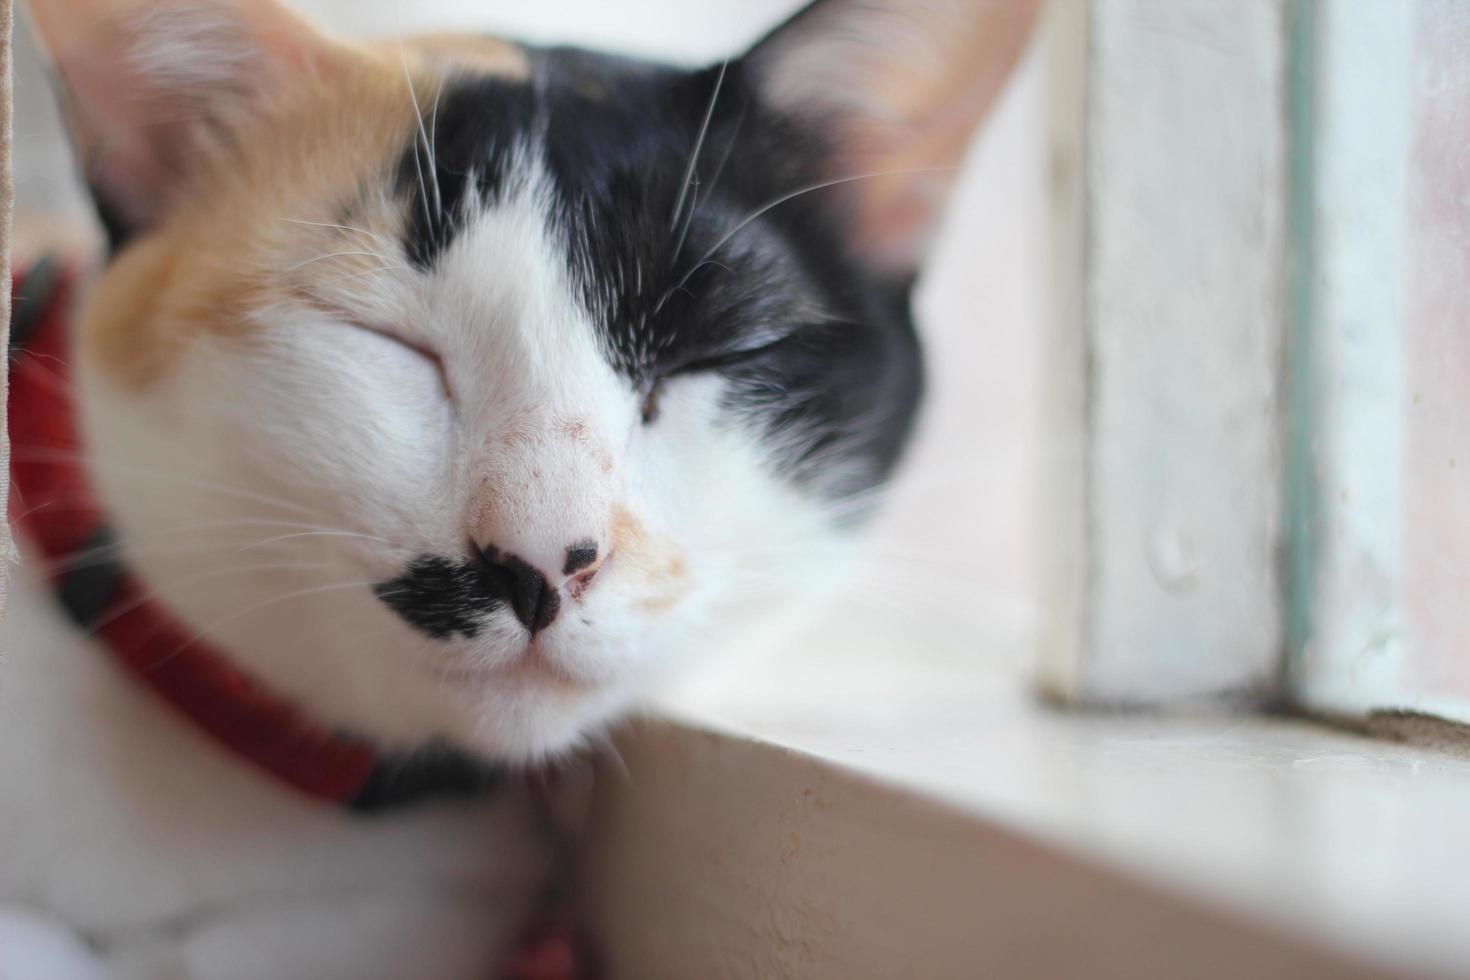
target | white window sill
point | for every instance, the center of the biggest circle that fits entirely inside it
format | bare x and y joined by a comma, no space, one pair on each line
1289,849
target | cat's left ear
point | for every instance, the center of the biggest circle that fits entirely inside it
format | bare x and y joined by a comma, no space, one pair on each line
897,89
155,90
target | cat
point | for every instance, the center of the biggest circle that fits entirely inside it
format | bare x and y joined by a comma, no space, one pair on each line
436,399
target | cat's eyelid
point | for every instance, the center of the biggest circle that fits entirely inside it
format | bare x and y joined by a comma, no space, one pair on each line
336,312
427,353
651,390
727,358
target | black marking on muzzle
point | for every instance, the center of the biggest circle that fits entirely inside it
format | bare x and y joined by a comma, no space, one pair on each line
439,597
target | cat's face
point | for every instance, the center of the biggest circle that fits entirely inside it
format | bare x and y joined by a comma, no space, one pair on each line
459,388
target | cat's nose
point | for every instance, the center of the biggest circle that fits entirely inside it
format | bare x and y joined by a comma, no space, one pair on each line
531,597
534,596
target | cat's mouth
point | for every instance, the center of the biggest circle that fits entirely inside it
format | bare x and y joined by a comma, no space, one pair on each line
531,668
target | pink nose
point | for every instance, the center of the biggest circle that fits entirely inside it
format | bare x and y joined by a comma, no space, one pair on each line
527,589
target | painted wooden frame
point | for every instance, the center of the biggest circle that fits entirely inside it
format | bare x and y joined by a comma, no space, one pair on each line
1380,524
1164,528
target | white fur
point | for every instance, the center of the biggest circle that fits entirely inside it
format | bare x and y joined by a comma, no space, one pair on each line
261,488
161,852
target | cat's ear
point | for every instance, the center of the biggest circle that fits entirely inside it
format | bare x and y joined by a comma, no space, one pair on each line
897,87
152,89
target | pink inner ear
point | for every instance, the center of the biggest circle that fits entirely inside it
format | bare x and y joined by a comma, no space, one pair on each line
902,85
121,135
150,81
897,215
896,223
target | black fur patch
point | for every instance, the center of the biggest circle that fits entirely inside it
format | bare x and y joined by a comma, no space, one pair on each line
443,598
473,131
437,771
439,597
717,261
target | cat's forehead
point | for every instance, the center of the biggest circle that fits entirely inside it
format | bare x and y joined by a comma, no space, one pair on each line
591,126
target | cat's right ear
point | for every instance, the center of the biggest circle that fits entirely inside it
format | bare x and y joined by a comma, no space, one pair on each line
152,90
896,88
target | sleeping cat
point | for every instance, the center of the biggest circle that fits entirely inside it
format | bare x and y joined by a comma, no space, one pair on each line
436,399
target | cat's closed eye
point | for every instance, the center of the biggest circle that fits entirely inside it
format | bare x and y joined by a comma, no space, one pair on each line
735,357
648,411
419,350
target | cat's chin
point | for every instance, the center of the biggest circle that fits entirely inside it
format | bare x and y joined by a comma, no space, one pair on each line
551,737
529,713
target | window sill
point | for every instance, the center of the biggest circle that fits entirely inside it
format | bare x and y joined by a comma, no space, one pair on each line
921,822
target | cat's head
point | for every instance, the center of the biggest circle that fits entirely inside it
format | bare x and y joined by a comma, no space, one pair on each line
457,387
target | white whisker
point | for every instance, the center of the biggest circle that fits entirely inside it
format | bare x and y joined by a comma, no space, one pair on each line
428,148
257,607
170,588
46,454
380,238
689,171
319,533
777,202
335,255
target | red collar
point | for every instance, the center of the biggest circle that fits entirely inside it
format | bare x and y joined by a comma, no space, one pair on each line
52,506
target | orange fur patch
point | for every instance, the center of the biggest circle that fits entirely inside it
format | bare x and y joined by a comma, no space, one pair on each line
660,563
485,55
260,225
